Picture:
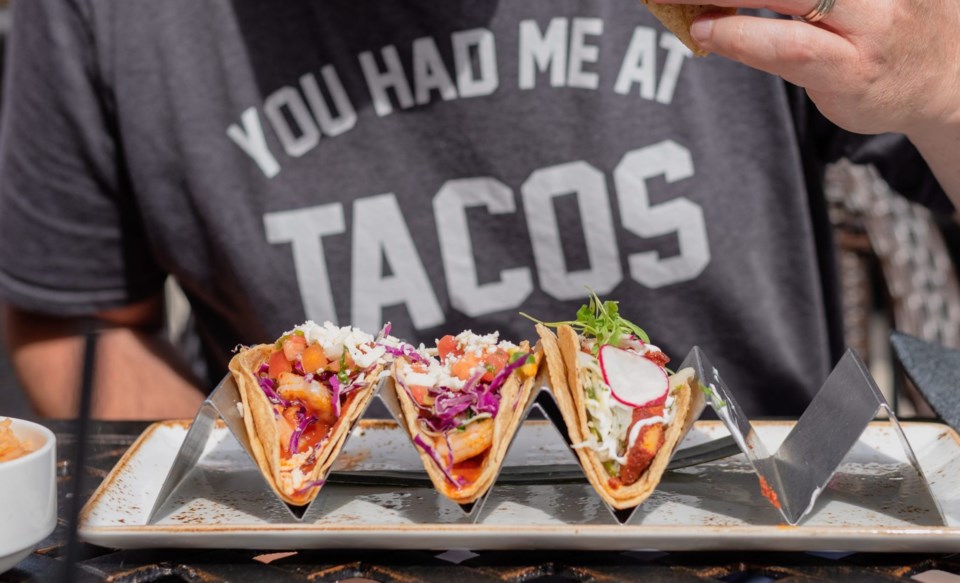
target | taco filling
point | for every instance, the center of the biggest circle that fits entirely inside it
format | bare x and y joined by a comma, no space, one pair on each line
459,401
625,412
307,385
625,437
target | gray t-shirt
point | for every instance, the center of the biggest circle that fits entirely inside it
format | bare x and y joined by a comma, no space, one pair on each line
438,165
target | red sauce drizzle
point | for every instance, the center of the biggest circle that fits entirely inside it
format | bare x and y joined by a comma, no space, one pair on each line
469,469
638,458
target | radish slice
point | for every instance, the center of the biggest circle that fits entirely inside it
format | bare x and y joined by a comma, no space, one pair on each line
634,380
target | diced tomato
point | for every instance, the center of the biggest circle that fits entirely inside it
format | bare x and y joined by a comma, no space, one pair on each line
293,346
463,368
658,358
279,364
313,358
447,345
420,394
495,361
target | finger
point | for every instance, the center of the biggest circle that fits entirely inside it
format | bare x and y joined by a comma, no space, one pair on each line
843,14
789,7
808,56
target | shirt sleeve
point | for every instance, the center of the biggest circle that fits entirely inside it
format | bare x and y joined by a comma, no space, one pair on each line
893,155
71,238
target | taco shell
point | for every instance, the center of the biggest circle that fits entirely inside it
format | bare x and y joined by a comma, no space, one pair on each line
677,18
560,352
264,434
514,398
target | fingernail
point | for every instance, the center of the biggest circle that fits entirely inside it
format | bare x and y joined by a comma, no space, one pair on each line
701,30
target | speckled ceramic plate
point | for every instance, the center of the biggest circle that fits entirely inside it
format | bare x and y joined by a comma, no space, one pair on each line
869,506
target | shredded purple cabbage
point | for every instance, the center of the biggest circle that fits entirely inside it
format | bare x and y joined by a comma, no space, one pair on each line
449,450
305,422
439,425
488,402
353,386
264,369
268,388
298,368
310,484
472,383
335,397
475,395
406,350
436,458
385,331
452,404
505,372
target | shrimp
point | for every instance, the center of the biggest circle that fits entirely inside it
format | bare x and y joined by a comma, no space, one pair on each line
315,395
475,439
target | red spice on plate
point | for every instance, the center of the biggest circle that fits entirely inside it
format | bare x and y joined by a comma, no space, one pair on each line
768,493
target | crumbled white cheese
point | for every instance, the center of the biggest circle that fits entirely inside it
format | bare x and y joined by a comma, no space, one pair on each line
470,342
363,348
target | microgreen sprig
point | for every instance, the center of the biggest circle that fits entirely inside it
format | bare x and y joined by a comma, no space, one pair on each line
601,321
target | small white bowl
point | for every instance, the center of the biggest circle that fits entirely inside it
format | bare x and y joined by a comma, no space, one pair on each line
28,494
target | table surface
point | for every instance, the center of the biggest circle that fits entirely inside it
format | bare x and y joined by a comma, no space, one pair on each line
110,439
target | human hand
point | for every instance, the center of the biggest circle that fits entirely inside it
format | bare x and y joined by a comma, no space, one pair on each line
870,66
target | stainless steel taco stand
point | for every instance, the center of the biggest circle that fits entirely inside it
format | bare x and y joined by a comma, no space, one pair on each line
548,405
223,403
793,478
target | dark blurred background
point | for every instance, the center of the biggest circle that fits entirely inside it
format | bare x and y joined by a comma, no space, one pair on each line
12,402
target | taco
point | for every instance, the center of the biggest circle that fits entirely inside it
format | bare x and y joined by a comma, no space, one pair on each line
677,18
300,397
624,412
461,404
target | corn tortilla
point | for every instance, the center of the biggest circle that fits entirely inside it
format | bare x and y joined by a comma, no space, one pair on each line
677,18
514,399
560,351
264,435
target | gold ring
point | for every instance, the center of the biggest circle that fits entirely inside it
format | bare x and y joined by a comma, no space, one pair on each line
818,13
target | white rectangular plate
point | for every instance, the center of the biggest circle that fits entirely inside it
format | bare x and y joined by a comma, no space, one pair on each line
225,503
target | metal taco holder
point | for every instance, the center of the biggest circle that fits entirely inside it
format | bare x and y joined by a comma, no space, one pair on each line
225,403
792,479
